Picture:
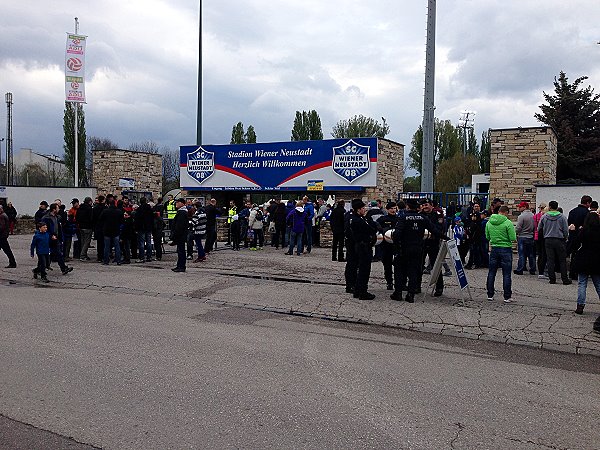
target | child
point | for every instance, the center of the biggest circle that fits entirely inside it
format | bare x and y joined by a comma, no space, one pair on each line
235,232
458,230
41,244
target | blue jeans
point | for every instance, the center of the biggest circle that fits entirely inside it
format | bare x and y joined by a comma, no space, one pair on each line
308,230
112,242
526,249
144,239
582,286
500,257
199,247
297,238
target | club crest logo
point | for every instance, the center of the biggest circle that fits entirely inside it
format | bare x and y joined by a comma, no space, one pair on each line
351,160
200,164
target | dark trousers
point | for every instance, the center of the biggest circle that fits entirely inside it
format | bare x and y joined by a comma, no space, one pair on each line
43,262
475,254
279,235
211,237
157,238
99,245
57,255
5,247
235,235
556,250
387,258
337,246
190,244
351,265
181,254
540,250
126,248
364,257
111,242
259,235
408,268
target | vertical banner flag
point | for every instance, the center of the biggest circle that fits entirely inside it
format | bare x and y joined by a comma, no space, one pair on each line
75,68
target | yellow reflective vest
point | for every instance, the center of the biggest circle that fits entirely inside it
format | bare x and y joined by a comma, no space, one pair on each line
171,210
232,212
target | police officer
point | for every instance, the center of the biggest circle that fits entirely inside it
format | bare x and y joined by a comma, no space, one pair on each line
408,236
385,223
364,236
351,262
431,240
171,210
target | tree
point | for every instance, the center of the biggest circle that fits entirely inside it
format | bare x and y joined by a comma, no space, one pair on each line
250,136
446,143
238,136
412,184
144,147
307,126
170,169
485,152
456,172
33,174
69,138
360,126
574,114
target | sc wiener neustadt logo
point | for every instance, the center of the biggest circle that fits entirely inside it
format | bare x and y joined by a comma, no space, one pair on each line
351,160
200,164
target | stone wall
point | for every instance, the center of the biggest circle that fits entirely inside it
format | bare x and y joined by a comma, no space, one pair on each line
390,171
144,168
520,159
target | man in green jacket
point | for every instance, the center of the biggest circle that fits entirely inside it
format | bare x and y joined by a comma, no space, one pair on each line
500,232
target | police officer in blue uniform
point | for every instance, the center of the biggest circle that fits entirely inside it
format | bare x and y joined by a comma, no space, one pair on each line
364,235
408,236
385,223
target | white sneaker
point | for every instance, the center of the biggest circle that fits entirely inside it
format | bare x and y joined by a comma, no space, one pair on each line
542,277
491,299
508,300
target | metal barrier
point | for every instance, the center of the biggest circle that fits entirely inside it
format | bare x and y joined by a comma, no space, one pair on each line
444,199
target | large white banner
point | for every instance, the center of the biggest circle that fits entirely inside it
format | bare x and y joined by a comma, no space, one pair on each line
75,68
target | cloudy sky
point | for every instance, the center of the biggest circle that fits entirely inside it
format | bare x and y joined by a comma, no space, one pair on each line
265,59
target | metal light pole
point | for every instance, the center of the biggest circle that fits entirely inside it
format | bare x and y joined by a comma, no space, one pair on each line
9,133
429,107
199,112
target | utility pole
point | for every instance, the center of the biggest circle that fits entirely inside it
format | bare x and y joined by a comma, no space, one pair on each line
466,122
429,106
199,111
9,140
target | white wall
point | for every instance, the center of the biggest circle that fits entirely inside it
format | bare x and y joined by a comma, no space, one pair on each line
567,196
27,199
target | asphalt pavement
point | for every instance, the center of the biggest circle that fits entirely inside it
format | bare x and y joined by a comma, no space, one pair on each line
541,316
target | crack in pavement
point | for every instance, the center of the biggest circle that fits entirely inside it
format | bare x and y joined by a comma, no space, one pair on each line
529,441
461,427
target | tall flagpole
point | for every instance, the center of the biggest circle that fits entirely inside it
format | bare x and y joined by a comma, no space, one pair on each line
76,127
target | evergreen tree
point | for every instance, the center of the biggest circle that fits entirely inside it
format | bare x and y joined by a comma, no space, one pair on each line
69,138
237,134
360,126
307,126
574,114
250,136
485,153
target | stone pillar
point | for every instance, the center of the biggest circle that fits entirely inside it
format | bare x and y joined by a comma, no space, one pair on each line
390,171
521,158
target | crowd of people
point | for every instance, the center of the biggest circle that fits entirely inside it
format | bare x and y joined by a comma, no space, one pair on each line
409,234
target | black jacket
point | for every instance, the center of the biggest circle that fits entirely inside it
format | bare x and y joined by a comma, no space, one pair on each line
84,216
411,227
179,232
143,218
111,219
587,259
211,215
96,221
363,230
336,219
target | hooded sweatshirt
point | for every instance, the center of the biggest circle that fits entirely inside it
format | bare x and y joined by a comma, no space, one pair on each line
500,231
554,225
